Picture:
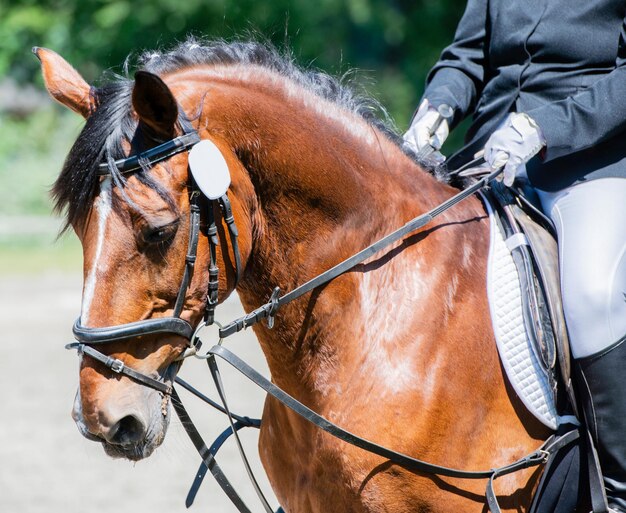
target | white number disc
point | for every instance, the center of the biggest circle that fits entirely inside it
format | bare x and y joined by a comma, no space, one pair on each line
209,169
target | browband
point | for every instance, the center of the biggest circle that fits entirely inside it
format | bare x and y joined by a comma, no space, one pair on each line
153,155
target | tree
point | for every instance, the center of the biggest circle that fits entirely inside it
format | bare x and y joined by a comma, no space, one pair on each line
393,41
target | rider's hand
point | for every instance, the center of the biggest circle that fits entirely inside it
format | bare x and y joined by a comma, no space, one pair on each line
517,140
423,132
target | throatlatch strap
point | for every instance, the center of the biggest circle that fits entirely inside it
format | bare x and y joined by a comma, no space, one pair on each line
227,213
213,286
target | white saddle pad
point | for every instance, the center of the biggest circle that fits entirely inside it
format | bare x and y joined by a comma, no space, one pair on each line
519,360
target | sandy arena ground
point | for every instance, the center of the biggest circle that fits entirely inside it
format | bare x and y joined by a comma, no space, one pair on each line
47,466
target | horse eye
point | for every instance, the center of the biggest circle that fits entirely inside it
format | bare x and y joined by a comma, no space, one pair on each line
159,234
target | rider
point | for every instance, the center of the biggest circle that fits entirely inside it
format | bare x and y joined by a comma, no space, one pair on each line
545,81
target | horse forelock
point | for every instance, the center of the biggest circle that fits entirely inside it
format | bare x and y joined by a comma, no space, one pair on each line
106,137
107,128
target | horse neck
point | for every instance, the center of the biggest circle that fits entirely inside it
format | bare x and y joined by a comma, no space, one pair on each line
327,184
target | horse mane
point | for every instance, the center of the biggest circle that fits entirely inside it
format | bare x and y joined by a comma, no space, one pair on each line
112,124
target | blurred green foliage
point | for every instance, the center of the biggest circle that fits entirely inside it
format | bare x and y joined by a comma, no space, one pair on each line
394,41
32,150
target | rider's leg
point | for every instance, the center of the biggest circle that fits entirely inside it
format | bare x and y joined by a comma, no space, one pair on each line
591,225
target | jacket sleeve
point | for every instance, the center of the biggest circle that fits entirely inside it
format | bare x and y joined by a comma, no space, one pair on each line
457,78
589,117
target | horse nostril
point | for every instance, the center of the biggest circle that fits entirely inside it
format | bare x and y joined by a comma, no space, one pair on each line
127,431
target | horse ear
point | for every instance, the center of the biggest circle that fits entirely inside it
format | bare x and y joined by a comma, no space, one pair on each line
64,83
154,103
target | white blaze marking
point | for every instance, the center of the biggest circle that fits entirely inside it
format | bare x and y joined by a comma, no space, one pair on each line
103,209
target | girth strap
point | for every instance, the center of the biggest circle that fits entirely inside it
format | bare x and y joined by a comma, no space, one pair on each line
539,457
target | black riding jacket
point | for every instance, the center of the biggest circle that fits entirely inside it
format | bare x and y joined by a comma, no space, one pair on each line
563,62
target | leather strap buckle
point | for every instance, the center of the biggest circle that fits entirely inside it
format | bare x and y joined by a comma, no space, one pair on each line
116,365
273,307
545,455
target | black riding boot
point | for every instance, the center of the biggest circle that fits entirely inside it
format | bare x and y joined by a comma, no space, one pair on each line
603,396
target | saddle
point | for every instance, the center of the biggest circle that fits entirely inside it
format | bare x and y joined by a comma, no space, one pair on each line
531,239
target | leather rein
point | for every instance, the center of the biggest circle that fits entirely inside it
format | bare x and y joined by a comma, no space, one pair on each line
87,338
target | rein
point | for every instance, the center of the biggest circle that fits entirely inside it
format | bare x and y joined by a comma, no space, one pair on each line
88,337
269,309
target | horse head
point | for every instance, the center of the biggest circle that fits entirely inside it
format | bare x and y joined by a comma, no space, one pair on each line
134,228
310,168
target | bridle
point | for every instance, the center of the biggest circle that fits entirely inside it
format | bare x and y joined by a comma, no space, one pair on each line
88,337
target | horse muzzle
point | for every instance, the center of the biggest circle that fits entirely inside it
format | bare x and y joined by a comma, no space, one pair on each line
129,422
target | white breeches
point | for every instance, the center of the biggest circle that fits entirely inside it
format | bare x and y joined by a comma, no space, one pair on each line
590,219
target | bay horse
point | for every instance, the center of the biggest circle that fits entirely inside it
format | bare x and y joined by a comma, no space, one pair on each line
399,350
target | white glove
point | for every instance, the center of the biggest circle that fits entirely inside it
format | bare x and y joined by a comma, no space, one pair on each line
421,132
513,144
